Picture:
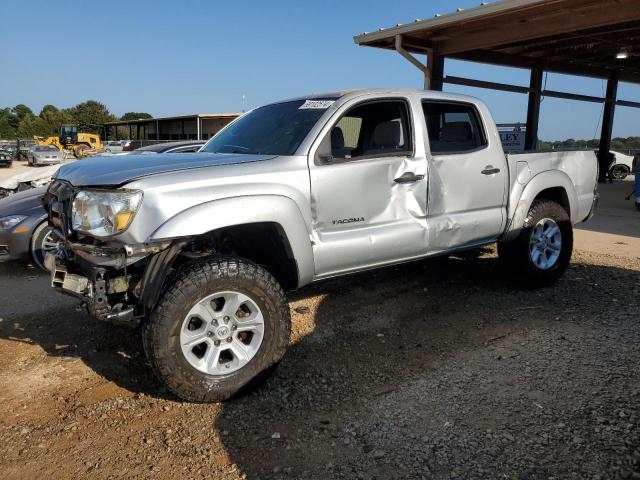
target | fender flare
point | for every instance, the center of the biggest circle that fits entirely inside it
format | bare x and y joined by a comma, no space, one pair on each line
521,205
233,211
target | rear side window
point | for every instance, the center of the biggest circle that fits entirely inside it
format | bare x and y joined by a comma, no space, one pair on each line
372,129
453,127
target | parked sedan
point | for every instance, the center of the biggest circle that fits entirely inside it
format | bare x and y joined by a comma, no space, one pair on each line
24,232
6,158
44,155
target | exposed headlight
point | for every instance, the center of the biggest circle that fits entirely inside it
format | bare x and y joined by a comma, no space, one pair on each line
7,223
104,213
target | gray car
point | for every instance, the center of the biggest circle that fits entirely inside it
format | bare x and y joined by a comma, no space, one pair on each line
24,233
44,155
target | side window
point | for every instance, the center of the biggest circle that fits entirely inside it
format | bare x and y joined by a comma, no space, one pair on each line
379,128
453,127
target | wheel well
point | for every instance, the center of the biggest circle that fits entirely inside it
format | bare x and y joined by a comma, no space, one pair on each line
622,166
558,195
264,243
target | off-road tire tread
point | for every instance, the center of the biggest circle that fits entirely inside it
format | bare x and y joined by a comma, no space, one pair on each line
190,278
514,255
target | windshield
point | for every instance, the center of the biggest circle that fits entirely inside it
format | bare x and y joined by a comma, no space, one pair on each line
46,148
276,129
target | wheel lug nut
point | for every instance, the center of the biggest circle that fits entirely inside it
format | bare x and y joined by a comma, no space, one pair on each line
209,334
216,343
229,340
226,319
234,327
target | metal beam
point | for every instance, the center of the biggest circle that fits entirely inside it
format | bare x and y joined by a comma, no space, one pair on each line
604,156
627,103
572,96
517,61
468,82
533,109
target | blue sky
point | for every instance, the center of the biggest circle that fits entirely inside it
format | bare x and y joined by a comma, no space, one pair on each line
168,57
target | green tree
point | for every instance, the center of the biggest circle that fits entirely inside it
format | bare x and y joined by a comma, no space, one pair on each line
90,115
51,118
20,113
29,126
7,124
135,116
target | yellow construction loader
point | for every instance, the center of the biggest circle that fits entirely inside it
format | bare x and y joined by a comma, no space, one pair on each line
81,144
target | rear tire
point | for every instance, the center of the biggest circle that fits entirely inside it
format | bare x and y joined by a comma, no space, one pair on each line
541,253
619,172
185,338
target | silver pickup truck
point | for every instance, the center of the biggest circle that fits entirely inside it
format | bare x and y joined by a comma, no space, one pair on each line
199,248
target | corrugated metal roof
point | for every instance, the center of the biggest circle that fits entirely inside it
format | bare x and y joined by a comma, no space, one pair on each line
580,37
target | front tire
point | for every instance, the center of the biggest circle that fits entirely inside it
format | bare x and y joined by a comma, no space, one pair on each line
43,240
221,325
541,253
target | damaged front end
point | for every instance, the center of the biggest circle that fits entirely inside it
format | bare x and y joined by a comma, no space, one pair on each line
115,282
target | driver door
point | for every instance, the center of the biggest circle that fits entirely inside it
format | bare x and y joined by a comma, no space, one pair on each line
368,189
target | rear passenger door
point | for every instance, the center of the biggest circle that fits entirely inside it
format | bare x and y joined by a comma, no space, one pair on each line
467,176
368,187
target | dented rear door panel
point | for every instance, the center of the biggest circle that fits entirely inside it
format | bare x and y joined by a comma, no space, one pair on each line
466,205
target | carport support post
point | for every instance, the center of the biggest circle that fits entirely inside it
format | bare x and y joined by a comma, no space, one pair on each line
607,126
198,127
533,109
436,66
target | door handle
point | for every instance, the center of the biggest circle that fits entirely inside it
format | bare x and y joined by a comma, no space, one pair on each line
490,170
408,177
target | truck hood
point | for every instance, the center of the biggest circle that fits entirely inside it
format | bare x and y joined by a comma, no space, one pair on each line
117,170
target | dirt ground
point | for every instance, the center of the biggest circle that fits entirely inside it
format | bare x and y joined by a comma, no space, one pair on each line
437,369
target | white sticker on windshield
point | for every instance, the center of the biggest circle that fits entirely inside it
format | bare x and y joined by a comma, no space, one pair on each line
316,104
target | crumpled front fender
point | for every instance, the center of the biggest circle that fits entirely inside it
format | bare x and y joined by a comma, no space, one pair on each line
242,210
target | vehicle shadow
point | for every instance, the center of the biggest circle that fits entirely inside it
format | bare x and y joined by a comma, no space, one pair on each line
35,314
373,389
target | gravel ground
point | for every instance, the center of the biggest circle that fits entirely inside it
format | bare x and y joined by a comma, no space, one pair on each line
438,369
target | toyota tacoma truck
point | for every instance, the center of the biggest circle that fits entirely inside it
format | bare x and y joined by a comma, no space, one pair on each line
198,250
